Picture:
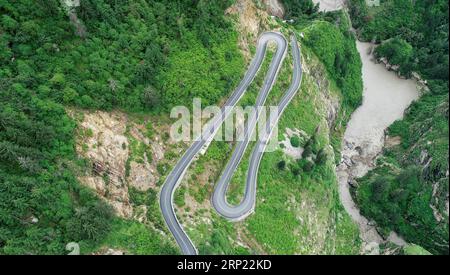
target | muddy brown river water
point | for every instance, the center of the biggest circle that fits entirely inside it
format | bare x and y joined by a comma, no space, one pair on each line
385,98
330,5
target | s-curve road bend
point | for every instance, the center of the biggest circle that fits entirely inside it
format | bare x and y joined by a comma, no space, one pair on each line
247,205
176,175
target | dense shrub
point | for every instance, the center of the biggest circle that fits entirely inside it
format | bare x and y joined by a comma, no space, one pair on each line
321,157
398,52
300,9
339,54
281,165
295,141
394,200
91,222
128,56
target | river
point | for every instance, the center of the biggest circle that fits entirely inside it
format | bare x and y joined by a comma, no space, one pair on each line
330,5
385,98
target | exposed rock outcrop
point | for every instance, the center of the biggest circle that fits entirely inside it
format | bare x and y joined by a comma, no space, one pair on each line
251,21
103,142
121,156
80,28
275,8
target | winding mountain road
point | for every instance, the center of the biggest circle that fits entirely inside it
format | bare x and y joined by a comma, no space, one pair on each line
246,206
219,197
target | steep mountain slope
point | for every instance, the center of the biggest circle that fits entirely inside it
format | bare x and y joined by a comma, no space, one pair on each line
84,101
297,209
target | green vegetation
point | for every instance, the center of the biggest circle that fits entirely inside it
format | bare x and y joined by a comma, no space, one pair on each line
393,200
415,250
121,54
180,196
407,192
237,184
422,24
300,10
149,199
141,198
329,36
137,55
287,198
42,207
219,242
359,12
398,52
184,79
138,239
295,141
398,194
336,48
281,165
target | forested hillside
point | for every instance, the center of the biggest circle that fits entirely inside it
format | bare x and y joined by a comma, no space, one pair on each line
408,191
100,55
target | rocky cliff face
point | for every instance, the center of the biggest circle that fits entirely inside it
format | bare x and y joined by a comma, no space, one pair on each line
102,141
250,22
274,8
123,154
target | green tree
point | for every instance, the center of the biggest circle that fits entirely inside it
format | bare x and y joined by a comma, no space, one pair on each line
281,165
322,157
90,222
295,141
398,52
150,97
300,9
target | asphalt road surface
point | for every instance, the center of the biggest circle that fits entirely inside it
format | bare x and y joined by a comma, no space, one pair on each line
219,196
